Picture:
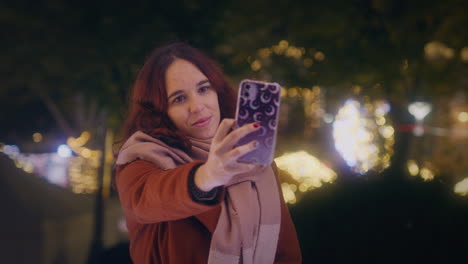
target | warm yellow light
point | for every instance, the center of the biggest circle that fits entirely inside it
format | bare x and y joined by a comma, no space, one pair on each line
320,56
357,89
307,94
18,164
413,168
256,65
386,131
294,52
28,167
74,143
427,174
293,187
463,117
281,47
380,121
37,137
461,187
288,193
96,154
303,187
264,53
277,50
464,54
83,175
435,50
316,90
386,157
303,166
85,136
284,92
86,153
71,142
307,170
316,183
292,92
360,140
308,62
284,44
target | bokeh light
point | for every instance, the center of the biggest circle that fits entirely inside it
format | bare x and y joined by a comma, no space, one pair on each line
363,135
464,54
427,174
320,56
256,65
461,187
83,172
307,171
284,49
462,117
437,51
413,168
425,169
79,173
76,144
64,151
37,137
419,110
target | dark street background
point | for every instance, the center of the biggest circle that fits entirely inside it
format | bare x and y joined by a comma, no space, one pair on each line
67,66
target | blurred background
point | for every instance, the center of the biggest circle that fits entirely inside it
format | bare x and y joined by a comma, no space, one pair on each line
373,132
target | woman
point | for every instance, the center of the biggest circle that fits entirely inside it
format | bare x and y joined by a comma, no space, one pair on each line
185,196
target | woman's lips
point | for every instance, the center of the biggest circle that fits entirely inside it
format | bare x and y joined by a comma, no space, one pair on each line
202,122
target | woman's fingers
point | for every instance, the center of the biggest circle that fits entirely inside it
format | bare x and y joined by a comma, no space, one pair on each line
223,129
234,154
230,140
222,161
244,167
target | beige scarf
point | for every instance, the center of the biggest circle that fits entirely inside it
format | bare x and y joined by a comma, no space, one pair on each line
249,223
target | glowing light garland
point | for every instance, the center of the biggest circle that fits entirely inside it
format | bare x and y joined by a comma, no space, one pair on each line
83,171
50,166
79,173
307,171
305,56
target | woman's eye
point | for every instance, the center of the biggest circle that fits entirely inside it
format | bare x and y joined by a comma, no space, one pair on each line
179,99
204,89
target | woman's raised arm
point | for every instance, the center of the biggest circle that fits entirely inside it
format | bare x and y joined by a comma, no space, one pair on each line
151,195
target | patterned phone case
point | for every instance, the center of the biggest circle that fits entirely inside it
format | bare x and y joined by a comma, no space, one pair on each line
259,102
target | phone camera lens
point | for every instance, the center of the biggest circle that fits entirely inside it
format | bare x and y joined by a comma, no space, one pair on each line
247,86
246,94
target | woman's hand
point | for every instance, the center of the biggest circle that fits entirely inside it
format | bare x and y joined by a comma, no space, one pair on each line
222,163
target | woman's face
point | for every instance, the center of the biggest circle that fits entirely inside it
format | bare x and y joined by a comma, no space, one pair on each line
192,102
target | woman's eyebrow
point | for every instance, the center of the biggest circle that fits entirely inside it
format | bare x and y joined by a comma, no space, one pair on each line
203,82
175,94
180,91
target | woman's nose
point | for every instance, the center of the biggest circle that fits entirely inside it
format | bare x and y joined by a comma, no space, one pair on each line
196,105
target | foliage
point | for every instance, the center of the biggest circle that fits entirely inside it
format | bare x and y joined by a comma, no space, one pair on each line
92,50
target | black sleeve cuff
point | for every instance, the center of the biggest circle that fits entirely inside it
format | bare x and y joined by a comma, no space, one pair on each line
197,194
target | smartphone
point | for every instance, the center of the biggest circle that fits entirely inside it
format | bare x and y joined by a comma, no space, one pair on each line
259,102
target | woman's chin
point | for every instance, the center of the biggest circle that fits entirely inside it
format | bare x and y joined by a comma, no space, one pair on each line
204,135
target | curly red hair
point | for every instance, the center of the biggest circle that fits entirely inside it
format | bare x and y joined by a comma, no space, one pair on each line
148,101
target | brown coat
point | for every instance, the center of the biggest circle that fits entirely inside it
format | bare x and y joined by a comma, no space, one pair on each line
167,226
